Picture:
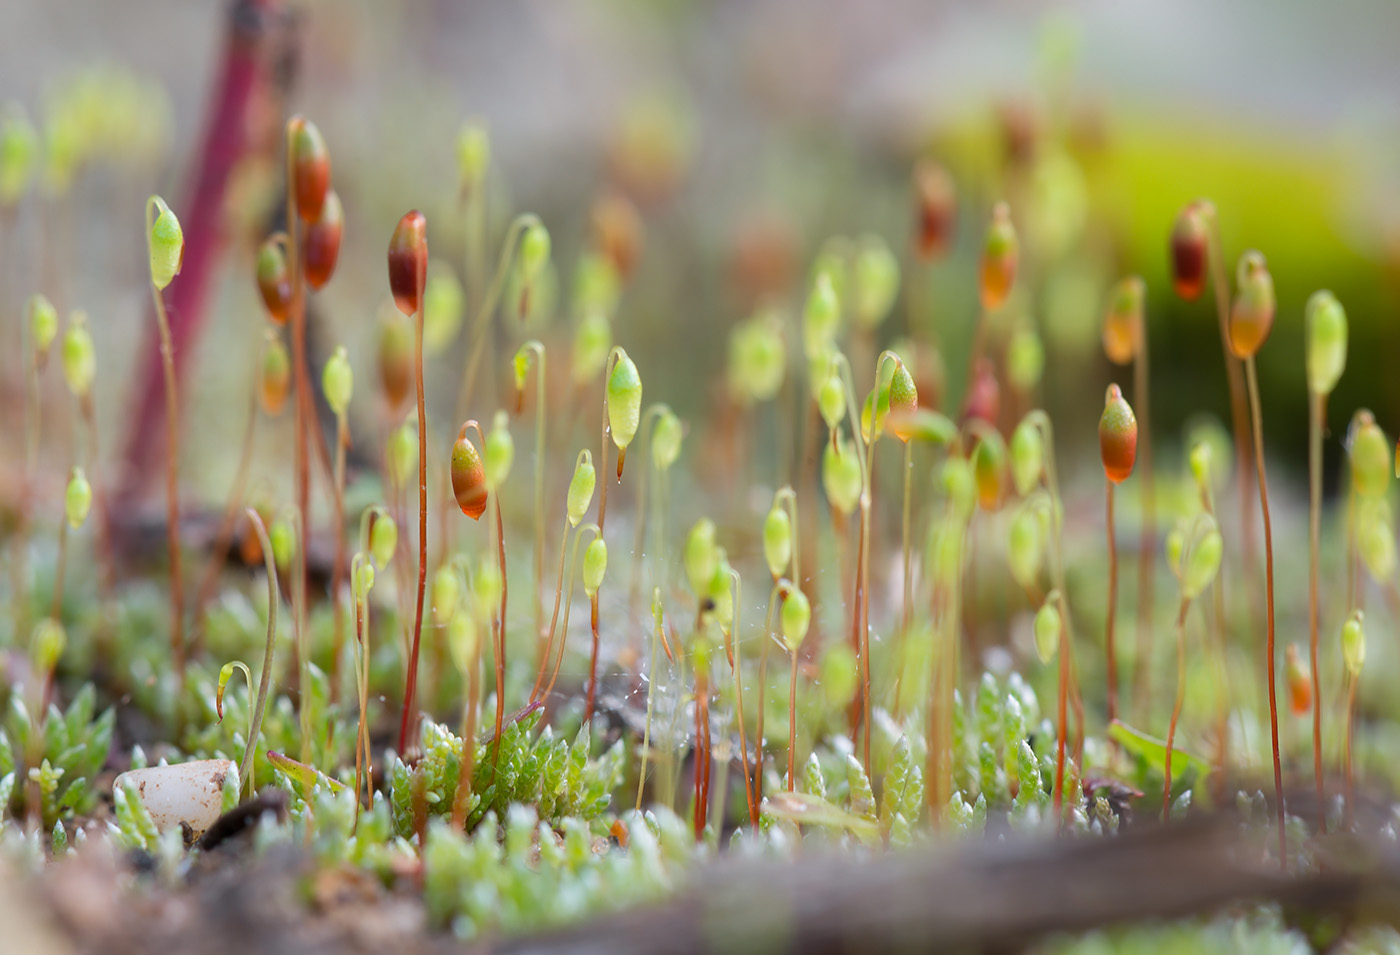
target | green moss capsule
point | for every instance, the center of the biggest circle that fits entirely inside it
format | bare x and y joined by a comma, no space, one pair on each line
46,645
463,642
43,326
338,381
486,590
831,400
1370,456
841,476
402,452
581,487
1048,628
1027,453
701,556
473,155
624,401
283,538
777,540
1025,546
757,359
875,282
499,452
595,565
79,355
795,618
445,591
165,245
534,252
1201,561
363,581
383,539
989,469
1354,643
666,437
821,316
1025,360
592,341
442,308
19,152
77,499
1325,327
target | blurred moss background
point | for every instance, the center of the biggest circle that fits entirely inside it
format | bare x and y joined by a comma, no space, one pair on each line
806,114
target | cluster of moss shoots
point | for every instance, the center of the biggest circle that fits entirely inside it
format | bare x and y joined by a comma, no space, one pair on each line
881,689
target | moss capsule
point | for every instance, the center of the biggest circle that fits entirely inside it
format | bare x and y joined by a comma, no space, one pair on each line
1354,643
1190,239
395,355
1000,255
595,565
165,245
904,403
581,487
79,355
338,381
796,617
274,375
468,476
408,261
274,281
935,199
624,402
1325,328
1123,321
1252,313
1117,436
43,326
320,242
311,168
383,539
701,556
777,540
77,498
498,453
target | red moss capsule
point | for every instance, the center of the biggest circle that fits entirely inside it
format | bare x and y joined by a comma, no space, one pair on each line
1300,687
983,395
618,231
1189,242
396,360
311,168
1000,253
1252,313
1117,436
320,242
274,281
408,261
936,201
468,476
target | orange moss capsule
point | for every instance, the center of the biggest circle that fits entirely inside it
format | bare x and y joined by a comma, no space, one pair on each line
1300,687
1000,253
618,231
274,281
989,470
1123,322
468,476
274,375
1252,313
1189,242
904,403
320,242
408,261
311,168
1117,436
936,201
396,360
